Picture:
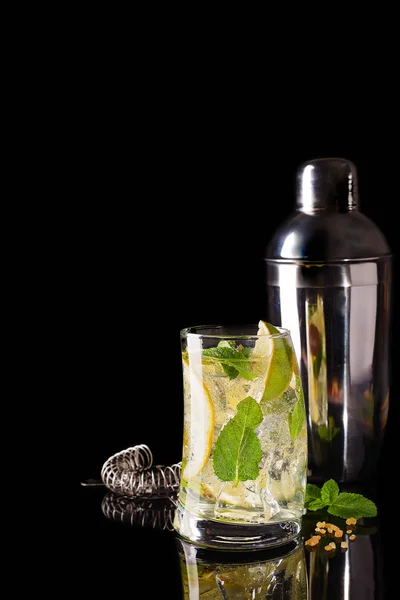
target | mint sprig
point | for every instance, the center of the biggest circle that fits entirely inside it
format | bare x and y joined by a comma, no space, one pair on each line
237,451
313,492
339,504
234,361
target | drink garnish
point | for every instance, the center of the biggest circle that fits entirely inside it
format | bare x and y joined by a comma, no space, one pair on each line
198,434
234,361
280,360
339,504
238,450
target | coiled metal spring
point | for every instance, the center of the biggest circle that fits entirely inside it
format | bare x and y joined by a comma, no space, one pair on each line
158,514
131,473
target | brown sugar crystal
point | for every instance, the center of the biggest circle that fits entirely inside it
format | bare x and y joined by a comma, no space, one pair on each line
330,546
313,541
338,533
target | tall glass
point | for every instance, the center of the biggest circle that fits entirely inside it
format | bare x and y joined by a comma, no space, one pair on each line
244,458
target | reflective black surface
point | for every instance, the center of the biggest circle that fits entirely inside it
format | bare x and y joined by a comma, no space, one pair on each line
127,548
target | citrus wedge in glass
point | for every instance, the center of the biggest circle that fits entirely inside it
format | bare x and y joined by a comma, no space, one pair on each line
199,429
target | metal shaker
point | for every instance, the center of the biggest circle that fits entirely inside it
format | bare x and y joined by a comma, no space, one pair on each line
329,274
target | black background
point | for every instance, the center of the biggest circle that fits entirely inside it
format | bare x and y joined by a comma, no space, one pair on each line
176,180
176,149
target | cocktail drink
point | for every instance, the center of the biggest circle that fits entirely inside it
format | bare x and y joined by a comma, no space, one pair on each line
274,574
244,459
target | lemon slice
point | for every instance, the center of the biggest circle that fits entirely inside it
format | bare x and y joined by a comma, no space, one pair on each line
201,427
284,489
280,363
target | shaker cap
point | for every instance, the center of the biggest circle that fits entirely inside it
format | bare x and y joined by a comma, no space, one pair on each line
327,184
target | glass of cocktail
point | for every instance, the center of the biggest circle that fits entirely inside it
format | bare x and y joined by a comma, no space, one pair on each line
244,458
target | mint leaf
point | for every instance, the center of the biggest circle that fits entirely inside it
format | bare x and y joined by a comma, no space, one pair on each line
224,354
328,433
297,419
230,371
317,364
220,352
226,344
316,504
234,362
237,451
329,492
246,352
352,505
297,416
313,492
299,388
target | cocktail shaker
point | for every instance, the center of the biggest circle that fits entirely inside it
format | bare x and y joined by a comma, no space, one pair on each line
329,278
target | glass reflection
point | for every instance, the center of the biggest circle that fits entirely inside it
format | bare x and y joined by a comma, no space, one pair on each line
289,572
270,574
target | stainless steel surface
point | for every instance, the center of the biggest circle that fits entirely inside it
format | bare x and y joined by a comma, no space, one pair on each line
92,483
327,183
131,473
329,282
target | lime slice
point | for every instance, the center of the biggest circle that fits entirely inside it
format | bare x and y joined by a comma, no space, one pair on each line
199,432
280,364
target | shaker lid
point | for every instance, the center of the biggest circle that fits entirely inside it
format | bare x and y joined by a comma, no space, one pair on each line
327,225
327,184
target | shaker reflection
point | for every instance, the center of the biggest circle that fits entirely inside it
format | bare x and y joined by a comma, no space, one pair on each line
356,573
273,574
285,573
